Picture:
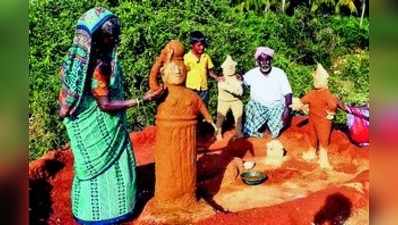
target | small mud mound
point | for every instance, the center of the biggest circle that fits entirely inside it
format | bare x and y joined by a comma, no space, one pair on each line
50,181
329,206
296,193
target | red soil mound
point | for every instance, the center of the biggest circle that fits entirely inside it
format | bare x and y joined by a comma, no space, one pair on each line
331,206
50,178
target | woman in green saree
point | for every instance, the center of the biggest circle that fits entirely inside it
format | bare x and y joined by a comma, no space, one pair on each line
93,111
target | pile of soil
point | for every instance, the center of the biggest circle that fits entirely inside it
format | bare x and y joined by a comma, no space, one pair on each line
330,206
50,179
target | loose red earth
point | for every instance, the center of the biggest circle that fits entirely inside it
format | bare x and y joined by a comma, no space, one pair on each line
50,179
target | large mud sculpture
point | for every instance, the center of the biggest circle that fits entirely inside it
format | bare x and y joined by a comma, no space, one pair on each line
176,121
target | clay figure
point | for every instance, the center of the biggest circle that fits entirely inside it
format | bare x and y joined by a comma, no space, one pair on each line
322,105
275,153
176,121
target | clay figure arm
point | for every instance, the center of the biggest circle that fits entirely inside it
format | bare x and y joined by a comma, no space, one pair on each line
205,113
238,90
305,100
308,98
154,74
333,103
234,88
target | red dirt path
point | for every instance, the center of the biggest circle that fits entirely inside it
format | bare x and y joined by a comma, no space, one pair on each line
50,179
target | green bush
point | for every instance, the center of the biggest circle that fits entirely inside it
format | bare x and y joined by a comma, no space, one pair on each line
300,42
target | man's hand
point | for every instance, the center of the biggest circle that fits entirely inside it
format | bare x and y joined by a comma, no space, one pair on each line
220,78
239,77
286,113
214,76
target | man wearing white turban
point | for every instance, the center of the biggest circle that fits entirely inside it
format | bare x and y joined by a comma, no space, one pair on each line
270,96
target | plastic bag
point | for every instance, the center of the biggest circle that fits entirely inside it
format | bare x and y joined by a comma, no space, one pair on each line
358,124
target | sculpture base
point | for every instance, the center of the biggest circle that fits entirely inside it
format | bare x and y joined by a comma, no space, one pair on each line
154,213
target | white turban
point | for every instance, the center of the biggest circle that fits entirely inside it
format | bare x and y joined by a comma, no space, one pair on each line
264,50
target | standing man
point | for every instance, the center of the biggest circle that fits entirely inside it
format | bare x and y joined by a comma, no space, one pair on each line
270,96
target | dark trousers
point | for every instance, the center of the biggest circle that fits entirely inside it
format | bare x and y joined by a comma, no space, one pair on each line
204,95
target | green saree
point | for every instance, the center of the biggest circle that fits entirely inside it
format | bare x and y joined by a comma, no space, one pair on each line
103,190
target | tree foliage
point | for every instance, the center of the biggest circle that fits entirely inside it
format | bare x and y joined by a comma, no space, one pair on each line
300,40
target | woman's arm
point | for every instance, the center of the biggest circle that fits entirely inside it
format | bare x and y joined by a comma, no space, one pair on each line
115,105
108,105
100,90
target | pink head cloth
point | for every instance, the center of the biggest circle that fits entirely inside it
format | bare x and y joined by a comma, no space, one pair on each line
264,50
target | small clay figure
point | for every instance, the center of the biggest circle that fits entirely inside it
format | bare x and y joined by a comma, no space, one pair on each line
229,93
322,108
176,121
275,153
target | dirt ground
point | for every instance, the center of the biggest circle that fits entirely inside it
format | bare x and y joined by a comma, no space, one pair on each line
298,192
